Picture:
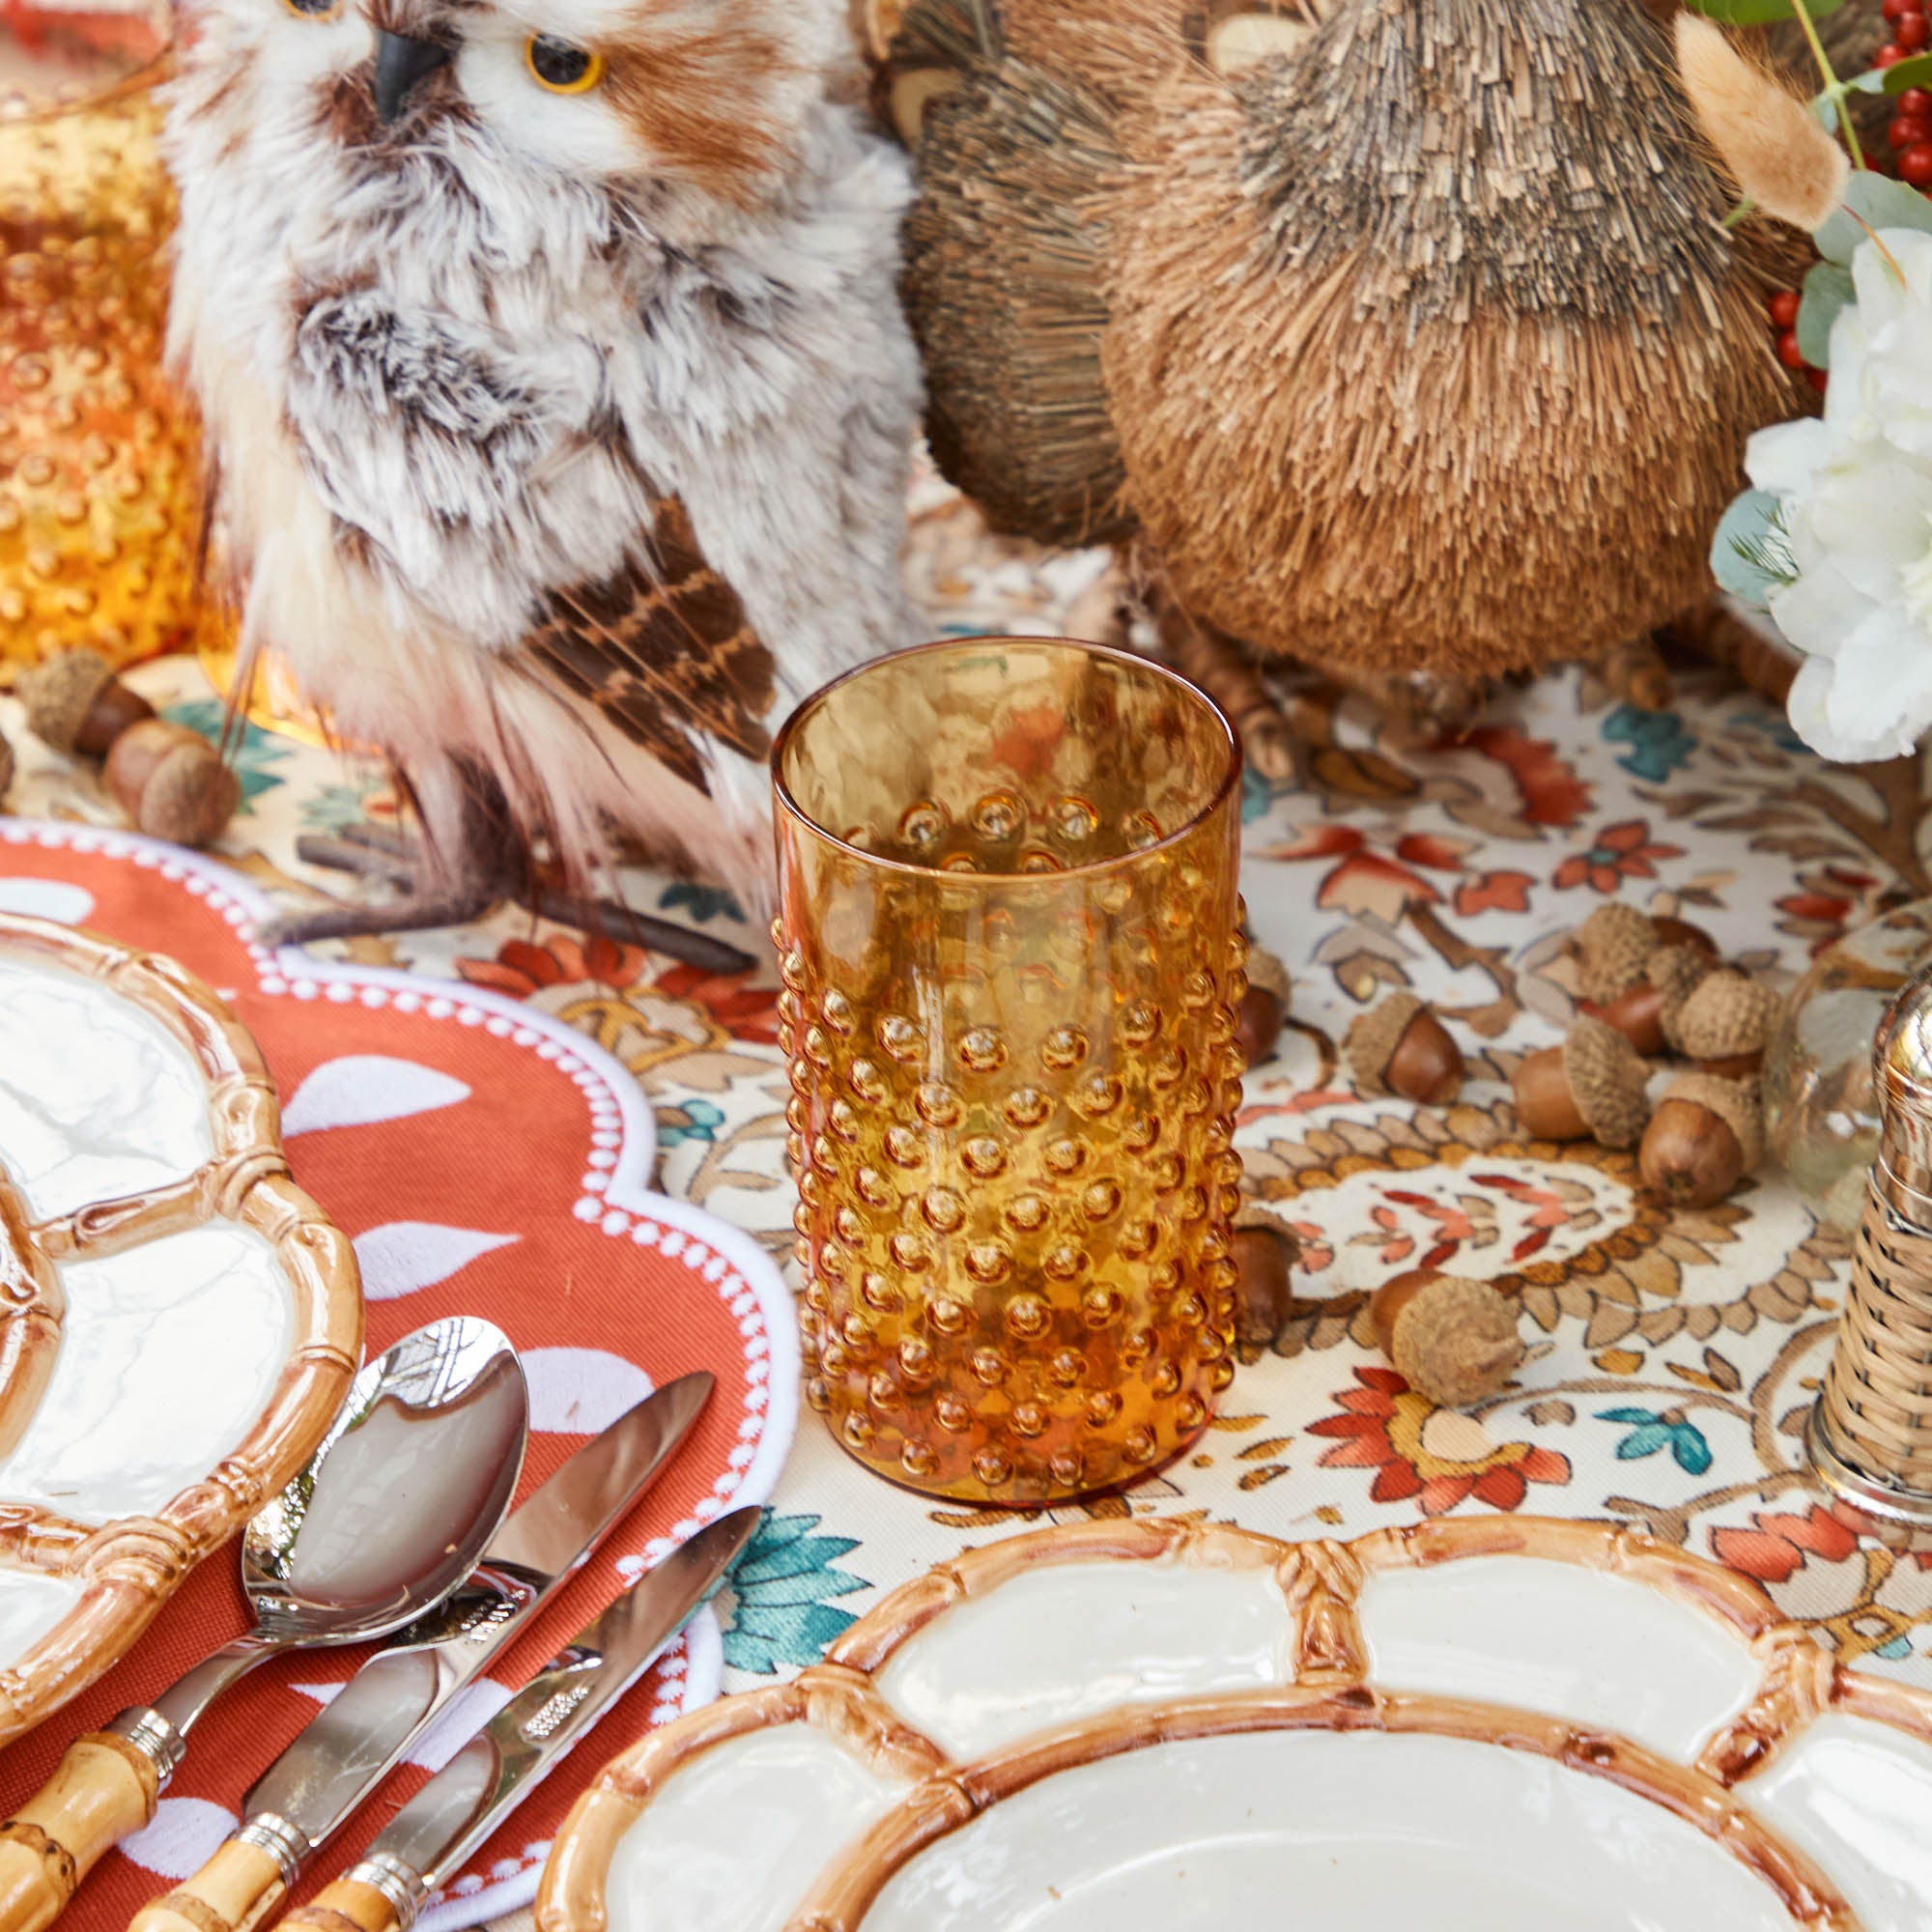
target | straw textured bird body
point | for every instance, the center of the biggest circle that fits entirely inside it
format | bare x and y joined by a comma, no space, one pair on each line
1411,347
558,394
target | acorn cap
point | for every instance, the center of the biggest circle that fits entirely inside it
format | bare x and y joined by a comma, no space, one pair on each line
1725,1012
1613,946
1252,1214
1676,970
59,694
1456,1341
1608,1078
1373,1037
1735,1102
1266,969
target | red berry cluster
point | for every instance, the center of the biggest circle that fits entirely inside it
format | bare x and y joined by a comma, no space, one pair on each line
1784,321
1911,132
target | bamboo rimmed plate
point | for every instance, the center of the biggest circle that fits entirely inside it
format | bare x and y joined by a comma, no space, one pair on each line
178,1321
1512,1724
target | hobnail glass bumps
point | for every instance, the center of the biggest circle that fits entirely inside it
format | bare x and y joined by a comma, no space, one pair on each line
99,461
1012,952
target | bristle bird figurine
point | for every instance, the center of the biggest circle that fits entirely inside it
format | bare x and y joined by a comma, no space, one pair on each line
1403,338
560,403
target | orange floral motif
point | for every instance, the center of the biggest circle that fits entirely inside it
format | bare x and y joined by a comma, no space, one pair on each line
1493,892
1622,851
1776,1547
1368,881
1439,1455
522,967
745,1013
1551,792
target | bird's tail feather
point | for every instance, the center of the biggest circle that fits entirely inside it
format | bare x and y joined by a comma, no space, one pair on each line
1006,254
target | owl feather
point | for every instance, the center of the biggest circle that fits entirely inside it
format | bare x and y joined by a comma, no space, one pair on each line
561,405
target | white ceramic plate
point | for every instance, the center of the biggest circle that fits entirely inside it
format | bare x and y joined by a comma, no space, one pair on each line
178,1322
1512,1725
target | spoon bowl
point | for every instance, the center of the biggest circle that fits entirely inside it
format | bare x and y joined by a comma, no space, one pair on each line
407,1487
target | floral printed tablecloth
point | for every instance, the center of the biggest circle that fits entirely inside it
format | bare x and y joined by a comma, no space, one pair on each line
1672,1356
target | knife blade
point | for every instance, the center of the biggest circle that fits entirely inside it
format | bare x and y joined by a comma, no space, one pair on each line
347,1749
436,1833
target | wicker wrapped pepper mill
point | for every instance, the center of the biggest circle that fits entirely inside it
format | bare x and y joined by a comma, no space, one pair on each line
1871,1435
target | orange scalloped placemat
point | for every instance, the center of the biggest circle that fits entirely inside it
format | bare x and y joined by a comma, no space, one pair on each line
488,1160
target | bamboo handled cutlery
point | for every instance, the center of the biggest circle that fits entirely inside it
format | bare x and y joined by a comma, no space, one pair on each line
398,1528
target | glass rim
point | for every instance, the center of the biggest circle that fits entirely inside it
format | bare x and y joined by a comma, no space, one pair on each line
148,73
1229,782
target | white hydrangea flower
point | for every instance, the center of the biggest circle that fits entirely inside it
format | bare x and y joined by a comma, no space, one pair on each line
1854,496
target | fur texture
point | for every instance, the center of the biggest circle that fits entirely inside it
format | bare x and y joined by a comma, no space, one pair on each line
563,436
1420,346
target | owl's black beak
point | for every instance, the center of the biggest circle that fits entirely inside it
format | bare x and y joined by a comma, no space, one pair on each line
401,62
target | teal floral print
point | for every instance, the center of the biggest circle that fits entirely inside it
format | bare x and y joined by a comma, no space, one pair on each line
1667,1429
777,1612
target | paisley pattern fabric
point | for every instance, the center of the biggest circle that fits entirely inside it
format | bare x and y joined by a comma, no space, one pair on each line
1672,1356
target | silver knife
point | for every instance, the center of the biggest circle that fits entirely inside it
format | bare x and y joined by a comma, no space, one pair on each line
437,1832
348,1747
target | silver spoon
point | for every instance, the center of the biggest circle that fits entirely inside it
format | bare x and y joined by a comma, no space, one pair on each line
390,1514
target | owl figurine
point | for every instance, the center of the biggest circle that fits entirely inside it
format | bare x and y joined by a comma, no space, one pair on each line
559,405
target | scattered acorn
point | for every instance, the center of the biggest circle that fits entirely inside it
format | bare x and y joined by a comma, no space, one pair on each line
75,703
1615,946
1401,1047
1451,1339
1642,1012
1706,1135
1257,1019
171,782
1591,1087
1681,932
1726,1016
1734,1066
1265,1250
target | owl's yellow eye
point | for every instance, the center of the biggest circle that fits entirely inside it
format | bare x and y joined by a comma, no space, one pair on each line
560,67
314,10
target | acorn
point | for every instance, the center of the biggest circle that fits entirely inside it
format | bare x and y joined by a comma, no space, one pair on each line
1265,1250
171,782
1617,944
75,703
1451,1339
1401,1047
1681,932
1726,1016
1590,1087
1642,1012
1257,1019
1706,1135
1613,947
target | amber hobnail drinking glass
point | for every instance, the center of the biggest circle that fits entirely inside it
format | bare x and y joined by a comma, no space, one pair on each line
1010,944
99,464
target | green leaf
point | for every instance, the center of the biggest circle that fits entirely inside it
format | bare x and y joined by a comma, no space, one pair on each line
1881,203
1913,71
1827,288
1757,12
1750,557
1873,79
